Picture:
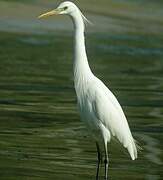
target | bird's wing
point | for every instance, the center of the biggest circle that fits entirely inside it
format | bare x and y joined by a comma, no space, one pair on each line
108,110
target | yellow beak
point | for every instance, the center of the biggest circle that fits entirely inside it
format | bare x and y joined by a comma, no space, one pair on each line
50,13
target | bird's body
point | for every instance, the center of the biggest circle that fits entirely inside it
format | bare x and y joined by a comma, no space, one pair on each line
103,115
99,108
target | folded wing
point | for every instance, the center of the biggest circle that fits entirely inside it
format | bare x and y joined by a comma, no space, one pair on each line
108,110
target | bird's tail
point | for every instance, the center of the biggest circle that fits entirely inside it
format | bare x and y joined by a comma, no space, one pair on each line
133,149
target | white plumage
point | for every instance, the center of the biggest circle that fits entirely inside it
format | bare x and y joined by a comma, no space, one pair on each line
99,108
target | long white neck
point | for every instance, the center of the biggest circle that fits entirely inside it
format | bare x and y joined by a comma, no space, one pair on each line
81,68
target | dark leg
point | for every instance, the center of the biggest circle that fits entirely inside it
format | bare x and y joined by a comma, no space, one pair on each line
99,161
106,162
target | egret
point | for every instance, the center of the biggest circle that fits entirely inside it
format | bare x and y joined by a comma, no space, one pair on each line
99,109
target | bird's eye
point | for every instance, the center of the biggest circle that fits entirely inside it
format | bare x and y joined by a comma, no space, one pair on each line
65,8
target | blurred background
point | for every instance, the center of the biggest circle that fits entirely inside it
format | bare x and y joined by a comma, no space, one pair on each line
41,136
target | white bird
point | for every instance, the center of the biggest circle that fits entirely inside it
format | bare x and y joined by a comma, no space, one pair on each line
99,108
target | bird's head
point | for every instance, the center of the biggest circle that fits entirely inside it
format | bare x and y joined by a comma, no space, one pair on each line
66,7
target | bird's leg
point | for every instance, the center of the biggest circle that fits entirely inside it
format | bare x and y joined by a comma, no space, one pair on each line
106,162
98,161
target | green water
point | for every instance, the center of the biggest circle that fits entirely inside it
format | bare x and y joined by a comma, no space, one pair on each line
41,136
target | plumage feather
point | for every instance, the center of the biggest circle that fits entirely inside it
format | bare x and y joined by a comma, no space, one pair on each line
108,111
